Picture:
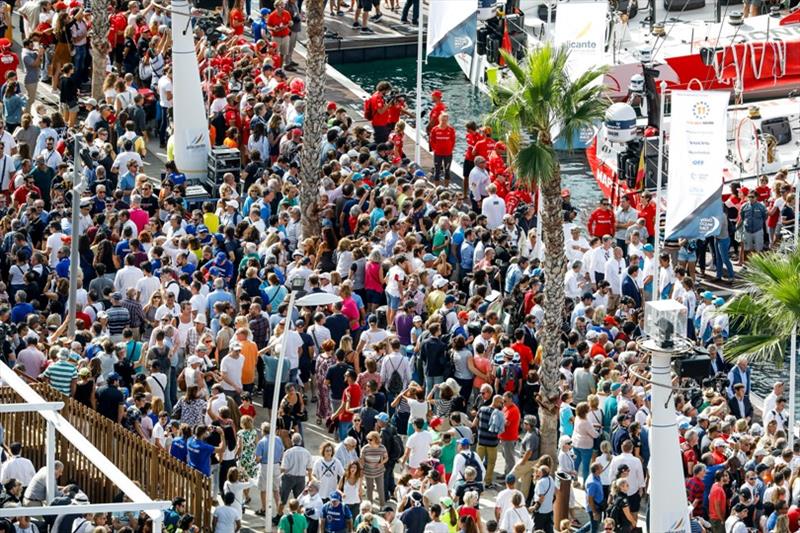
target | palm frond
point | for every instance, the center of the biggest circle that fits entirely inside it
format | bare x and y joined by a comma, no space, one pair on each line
756,348
534,163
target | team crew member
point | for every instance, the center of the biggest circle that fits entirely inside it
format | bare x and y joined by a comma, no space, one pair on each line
442,142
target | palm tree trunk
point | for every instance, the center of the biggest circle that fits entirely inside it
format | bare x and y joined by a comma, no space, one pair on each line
99,46
555,267
314,121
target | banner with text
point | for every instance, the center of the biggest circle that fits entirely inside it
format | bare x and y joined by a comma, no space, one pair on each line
452,27
698,145
581,27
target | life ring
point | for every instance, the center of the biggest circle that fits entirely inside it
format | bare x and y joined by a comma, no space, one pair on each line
748,154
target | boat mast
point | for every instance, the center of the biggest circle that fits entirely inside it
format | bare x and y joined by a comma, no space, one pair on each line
652,16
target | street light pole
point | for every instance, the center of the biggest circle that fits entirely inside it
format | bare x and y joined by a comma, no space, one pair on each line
659,180
74,259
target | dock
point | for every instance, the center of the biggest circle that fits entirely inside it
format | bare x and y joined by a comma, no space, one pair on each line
392,39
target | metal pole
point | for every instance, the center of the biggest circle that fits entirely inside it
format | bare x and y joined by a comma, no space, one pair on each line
418,130
51,461
659,169
793,348
273,416
74,254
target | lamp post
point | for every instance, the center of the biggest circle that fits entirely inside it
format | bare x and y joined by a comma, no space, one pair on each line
665,327
78,186
311,300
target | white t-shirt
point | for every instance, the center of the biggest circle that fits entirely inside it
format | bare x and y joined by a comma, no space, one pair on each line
157,383
54,243
418,444
546,487
158,435
436,527
293,345
226,516
494,208
436,492
164,86
503,501
232,367
395,275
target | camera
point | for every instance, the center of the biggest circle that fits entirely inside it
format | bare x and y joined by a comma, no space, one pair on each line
394,95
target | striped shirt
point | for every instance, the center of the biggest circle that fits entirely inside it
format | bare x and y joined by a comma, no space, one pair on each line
136,312
372,457
486,437
118,319
61,374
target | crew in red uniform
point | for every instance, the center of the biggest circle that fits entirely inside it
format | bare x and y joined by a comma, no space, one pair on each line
376,110
484,145
648,213
279,23
438,108
236,19
442,142
473,135
8,59
602,221
496,161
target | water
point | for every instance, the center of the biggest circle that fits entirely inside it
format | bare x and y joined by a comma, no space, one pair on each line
464,103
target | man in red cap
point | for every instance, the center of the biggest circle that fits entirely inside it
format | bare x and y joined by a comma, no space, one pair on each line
438,108
8,59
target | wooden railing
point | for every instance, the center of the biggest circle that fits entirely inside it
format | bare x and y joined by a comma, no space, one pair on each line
159,474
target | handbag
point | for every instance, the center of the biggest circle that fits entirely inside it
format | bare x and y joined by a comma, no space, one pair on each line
331,424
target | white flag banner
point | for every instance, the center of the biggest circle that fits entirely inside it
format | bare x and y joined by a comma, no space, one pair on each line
581,27
698,145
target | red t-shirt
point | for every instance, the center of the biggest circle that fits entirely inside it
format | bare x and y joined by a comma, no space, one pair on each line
472,138
250,410
116,32
601,222
442,140
525,356
277,19
436,112
794,518
648,213
717,498
379,119
355,401
236,21
512,415
8,63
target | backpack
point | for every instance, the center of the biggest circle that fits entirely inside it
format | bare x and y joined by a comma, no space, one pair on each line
397,447
395,384
472,460
509,373
184,294
368,111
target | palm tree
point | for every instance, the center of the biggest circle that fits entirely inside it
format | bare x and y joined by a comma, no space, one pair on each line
768,308
314,122
100,47
539,100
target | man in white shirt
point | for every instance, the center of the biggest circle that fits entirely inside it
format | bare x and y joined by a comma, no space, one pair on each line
319,333
574,281
147,285
616,268
417,446
493,208
576,244
51,156
128,276
600,256
17,467
635,474
157,381
735,522
479,181
460,463
231,367
503,501
772,398
395,361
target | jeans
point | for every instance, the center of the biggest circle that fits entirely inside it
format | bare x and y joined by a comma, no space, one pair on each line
344,427
431,382
441,167
415,14
81,62
723,257
163,124
171,394
584,457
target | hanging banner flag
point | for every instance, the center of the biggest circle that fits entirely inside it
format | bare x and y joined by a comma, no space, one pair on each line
581,27
452,27
191,136
697,141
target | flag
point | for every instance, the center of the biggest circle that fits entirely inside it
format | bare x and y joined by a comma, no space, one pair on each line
640,172
452,27
506,43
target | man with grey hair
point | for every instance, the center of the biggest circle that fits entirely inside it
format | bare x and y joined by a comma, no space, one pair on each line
346,451
36,493
478,182
295,471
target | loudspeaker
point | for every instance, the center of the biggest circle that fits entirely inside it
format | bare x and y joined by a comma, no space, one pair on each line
779,128
697,367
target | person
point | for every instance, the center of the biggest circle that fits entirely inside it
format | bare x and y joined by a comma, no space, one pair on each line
335,518
442,139
543,498
226,519
294,521
595,499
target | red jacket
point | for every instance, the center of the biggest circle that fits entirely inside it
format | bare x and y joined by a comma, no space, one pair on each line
472,138
442,140
601,222
482,147
648,213
436,111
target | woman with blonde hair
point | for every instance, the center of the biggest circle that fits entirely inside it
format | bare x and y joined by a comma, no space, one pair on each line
247,437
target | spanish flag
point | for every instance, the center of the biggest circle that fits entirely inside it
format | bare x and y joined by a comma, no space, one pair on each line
640,172
506,42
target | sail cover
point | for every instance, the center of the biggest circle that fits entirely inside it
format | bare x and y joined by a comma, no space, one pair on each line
452,27
191,137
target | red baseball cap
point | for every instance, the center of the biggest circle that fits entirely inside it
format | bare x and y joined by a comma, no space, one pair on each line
436,94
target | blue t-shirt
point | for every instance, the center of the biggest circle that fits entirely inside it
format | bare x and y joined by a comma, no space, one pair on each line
199,455
122,249
262,450
20,312
336,516
594,489
62,268
178,449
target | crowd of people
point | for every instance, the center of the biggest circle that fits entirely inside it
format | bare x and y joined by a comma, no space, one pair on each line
425,373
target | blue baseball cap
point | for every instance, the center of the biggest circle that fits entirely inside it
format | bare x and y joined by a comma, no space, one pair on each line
336,495
419,173
190,229
202,228
221,256
428,257
264,11
719,301
648,248
708,295
464,442
382,417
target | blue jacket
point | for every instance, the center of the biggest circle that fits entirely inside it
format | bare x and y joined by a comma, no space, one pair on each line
630,288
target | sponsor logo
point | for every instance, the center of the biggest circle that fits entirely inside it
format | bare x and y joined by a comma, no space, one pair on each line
579,42
462,42
197,143
708,225
700,110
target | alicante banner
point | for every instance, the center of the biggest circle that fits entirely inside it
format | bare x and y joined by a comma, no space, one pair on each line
581,27
697,145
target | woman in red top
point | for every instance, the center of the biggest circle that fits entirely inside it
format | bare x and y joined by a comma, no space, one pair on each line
442,142
236,19
397,138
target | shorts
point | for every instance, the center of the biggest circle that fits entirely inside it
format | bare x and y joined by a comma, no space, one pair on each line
374,297
69,107
755,3
753,241
687,257
292,485
366,5
262,478
394,302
